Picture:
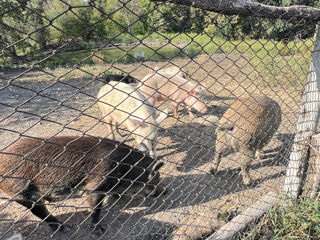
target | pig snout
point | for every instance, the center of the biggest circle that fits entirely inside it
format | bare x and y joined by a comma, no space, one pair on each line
193,102
203,110
144,149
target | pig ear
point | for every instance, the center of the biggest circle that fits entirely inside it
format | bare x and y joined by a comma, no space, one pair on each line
162,116
193,93
137,122
226,126
157,166
155,169
155,69
202,90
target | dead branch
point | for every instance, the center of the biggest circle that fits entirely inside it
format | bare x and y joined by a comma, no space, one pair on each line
245,8
236,225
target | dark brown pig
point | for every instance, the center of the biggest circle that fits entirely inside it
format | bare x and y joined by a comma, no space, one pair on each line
34,170
119,78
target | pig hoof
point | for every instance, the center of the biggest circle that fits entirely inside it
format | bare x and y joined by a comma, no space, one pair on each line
99,230
64,228
180,168
60,227
213,171
160,191
163,191
247,181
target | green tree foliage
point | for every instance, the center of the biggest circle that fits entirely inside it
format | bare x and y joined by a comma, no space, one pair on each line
21,28
76,19
276,29
279,29
134,17
222,26
34,25
173,18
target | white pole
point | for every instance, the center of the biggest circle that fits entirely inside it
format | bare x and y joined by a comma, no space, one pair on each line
307,125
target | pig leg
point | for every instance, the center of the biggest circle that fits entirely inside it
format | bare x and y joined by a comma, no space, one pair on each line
95,202
108,119
216,162
38,208
247,157
109,122
190,113
110,129
221,148
258,155
175,111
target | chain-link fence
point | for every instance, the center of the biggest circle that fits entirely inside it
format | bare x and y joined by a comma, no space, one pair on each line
213,99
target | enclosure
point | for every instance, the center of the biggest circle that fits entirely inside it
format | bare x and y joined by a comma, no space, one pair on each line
55,58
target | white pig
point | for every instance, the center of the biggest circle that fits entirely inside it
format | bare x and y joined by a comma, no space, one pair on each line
177,90
123,105
173,71
180,72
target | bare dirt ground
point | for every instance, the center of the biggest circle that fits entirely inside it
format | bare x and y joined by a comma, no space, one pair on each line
196,202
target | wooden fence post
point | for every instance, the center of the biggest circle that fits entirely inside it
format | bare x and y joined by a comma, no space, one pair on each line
311,184
254,212
307,125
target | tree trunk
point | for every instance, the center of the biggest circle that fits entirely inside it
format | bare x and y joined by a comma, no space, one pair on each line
246,8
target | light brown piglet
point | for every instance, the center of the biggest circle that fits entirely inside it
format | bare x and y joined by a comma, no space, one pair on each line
247,126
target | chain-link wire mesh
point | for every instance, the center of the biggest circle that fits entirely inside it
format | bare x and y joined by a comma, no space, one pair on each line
76,74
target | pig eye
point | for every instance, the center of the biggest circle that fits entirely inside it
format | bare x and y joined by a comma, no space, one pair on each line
230,130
